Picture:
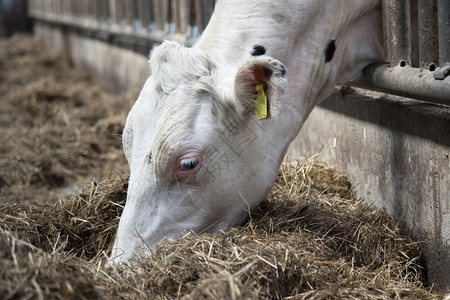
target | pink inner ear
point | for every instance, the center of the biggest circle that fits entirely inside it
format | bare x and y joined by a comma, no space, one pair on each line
259,76
247,78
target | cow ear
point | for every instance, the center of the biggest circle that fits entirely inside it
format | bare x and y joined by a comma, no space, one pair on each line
258,86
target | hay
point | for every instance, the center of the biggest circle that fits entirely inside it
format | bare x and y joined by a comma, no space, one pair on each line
57,127
84,226
310,239
307,240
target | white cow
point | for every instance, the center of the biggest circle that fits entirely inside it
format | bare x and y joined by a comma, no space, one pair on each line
199,158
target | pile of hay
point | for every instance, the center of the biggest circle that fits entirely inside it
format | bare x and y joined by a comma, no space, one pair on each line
311,238
57,127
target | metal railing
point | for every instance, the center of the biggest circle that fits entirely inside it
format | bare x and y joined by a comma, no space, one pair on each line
144,22
418,56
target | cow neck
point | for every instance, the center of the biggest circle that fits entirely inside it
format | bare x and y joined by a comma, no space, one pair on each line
297,33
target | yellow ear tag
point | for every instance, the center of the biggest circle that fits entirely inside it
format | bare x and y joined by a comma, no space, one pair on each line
261,103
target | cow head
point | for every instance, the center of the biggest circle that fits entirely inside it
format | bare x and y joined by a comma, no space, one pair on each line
199,160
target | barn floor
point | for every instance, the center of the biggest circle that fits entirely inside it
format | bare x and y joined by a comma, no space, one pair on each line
63,183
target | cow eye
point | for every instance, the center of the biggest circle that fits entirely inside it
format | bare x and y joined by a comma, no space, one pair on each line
187,165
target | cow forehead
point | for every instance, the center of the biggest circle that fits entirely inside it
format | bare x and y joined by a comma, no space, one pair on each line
168,125
173,65
174,114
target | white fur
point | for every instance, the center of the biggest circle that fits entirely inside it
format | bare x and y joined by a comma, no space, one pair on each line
200,100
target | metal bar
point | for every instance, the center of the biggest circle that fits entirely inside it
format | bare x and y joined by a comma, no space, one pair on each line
178,16
47,8
209,10
91,9
203,9
140,15
428,35
130,40
444,32
38,7
182,17
406,81
146,14
103,12
30,7
414,17
84,9
400,32
42,7
95,11
74,8
59,8
116,13
53,9
174,15
200,15
158,15
130,13
108,12
386,30
67,8
165,15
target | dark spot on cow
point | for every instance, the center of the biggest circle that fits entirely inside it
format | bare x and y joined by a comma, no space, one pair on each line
329,51
258,50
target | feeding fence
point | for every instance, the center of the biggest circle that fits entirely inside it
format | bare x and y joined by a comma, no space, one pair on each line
416,35
141,22
417,49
